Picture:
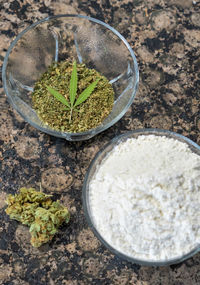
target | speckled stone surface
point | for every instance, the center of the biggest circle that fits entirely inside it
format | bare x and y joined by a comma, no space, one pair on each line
165,35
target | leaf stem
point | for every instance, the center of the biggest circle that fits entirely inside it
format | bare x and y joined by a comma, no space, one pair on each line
70,118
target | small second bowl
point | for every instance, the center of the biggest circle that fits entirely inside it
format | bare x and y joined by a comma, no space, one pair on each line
69,37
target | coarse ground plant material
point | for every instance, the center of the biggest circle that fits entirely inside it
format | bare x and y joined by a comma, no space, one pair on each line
73,103
88,114
36,210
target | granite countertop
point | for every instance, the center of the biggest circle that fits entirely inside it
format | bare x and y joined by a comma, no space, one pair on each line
165,36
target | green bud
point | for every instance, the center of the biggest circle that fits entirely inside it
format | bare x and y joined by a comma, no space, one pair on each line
37,210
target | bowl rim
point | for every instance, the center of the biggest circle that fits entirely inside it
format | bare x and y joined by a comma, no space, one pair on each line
85,190
90,133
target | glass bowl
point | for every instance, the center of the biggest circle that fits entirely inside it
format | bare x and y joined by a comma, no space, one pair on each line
86,191
69,37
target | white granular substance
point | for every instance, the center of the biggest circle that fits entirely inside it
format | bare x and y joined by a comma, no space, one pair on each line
145,198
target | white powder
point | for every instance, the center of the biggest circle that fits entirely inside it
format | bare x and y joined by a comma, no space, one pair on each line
145,198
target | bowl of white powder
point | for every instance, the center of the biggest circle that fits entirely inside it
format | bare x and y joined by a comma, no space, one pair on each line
141,197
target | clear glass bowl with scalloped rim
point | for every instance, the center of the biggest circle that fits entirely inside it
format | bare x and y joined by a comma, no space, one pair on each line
69,37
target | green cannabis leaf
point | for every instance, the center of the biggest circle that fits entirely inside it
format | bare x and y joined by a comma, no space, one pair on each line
73,92
58,96
73,84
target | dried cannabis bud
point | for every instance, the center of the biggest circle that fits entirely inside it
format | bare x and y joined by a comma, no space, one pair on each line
37,210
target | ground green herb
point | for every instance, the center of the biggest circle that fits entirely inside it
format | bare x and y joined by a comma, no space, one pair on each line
89,114
73,92
37,210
